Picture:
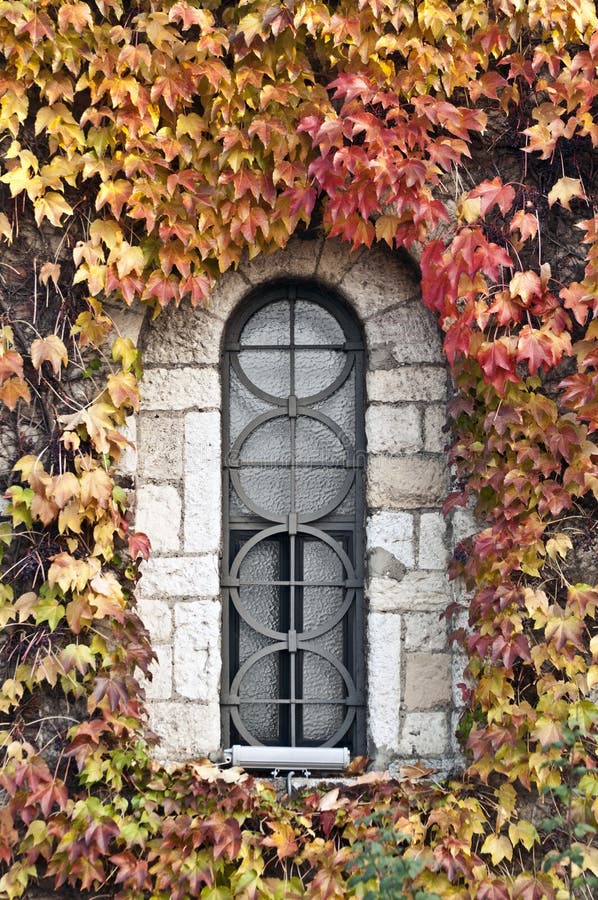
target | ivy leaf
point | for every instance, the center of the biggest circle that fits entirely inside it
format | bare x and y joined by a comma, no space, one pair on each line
499,847
282,839
49,349
565,190
139,545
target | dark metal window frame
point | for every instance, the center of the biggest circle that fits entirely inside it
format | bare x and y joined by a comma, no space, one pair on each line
343,533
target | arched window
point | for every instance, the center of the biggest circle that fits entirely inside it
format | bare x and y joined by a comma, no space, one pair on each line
293,440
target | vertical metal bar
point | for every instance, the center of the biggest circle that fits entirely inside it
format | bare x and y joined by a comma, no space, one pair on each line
292,537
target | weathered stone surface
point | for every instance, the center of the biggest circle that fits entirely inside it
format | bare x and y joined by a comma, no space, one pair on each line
336,258
184,388
406,383
427,680
425,631
384,678
160,445
160,687
197,657
425,591
425,734
383,563
128,320
127,464
405,483
202,482
435,439
187,729
156,615
409,332
380,279
158,514
433,552
464,524
394,532
393,429
228,293
186,335
180,576
298,259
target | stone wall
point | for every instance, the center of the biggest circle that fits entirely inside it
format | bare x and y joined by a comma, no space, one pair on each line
412,672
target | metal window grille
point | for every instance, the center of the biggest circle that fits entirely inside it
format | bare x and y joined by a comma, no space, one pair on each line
293,650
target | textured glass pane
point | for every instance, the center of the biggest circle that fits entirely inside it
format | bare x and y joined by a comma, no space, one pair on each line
270,442
320,604
262,721
250,641
321,563
268,370
270,489
262,563
321,680
235,505
340,407
347,507
262,680
317,443
314,325
316,488
321,722
244,407
269,325
315,370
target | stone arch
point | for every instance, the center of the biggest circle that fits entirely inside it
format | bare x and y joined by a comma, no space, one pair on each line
410,698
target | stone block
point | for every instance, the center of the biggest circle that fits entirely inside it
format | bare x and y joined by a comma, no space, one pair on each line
203,493
228,292
425,734
409,332
160,442
336,259
393,531
158,514
464,524
393,429
379,280
127,464
160,687
128,320
425,591
197,656
435,439
181,388
184,336
180,576
156,615
187,729
384,679
407,383
433,552
425,631
427,680
408,482
298,259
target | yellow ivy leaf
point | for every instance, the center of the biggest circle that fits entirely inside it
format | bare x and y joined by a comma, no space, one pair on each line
5,228
499,847
558,546
49,349
523,832
51,206
564,191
